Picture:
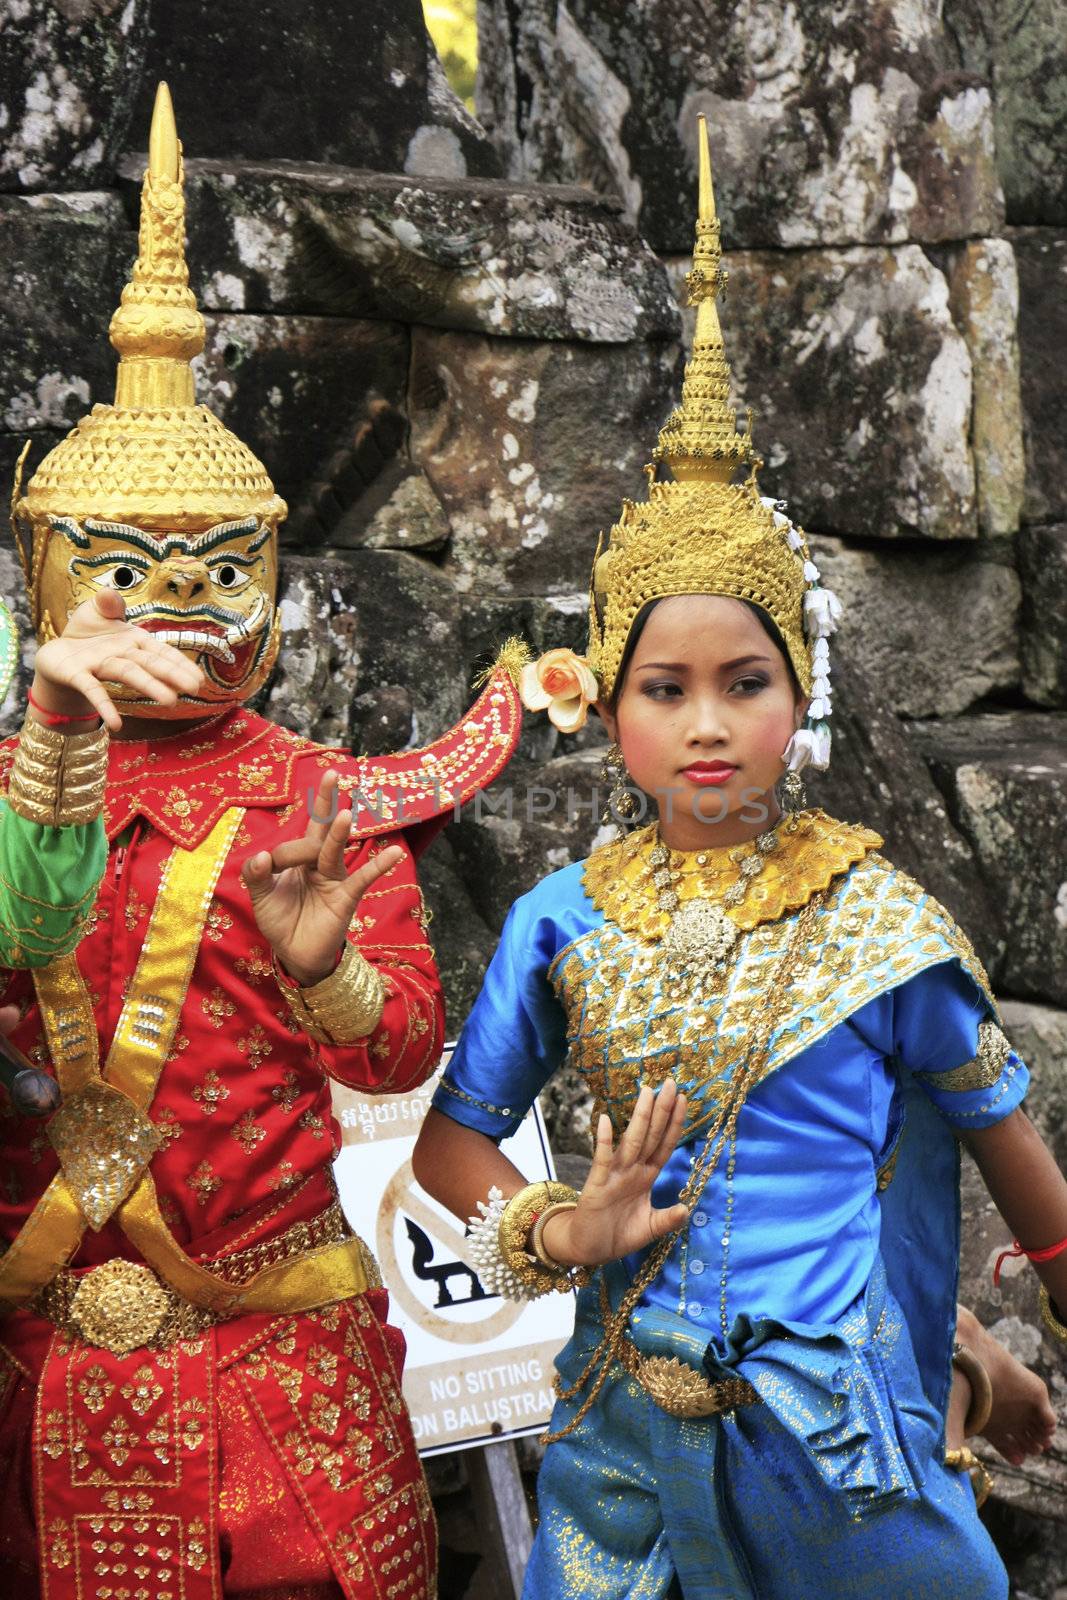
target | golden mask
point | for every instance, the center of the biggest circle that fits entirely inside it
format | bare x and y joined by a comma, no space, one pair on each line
153,496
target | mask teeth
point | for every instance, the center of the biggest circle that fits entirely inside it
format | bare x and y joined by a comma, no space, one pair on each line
186,638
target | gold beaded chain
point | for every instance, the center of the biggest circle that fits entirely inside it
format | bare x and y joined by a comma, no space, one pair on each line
720,1135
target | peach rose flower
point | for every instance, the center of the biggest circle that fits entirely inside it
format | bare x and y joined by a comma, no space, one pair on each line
561,683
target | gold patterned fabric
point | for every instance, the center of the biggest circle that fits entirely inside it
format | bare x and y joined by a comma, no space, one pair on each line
620,877
632,1021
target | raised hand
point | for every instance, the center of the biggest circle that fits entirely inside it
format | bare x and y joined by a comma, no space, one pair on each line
303,896
615,1214
97,647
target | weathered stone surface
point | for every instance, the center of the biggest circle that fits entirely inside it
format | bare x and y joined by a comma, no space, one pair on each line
13,705
398,512
877,777
297,388
1041,255
1005,782
1018,47
531,447
1043,570
69,71
840,125
862,387
62,265
934,629
360,85
535,818
371,624
984,299
462,942
494,257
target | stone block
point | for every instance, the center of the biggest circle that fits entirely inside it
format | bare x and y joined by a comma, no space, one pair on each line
1043,570
374,633
862,388
497,258
63,261
1041,255
1020,48
531,447
934,629
1004,778
829,125
69,71
878,777
298,389
984,299
356,84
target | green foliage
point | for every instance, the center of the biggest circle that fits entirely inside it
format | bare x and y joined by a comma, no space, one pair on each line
454,31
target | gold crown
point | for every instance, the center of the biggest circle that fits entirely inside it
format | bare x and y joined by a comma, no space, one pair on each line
701,533
155,456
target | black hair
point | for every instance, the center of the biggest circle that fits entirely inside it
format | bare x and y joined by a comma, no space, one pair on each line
765,620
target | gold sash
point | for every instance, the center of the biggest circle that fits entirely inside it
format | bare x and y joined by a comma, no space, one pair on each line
106,1114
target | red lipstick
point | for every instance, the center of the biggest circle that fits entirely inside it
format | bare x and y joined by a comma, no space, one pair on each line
709,772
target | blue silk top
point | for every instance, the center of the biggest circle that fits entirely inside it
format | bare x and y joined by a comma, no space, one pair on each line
885,1042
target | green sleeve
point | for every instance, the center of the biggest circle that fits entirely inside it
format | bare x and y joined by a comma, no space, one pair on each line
49,879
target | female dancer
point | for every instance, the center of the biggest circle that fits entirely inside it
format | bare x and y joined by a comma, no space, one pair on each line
753,1401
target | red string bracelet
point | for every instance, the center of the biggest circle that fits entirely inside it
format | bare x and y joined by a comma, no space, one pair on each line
56,719
1049,1253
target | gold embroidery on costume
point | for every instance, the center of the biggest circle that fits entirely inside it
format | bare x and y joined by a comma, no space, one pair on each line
346,1006
629,1024
619,877
983,1071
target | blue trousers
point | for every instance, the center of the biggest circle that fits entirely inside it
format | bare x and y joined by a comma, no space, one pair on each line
804,1495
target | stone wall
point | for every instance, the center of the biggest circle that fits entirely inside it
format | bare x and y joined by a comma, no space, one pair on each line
453,343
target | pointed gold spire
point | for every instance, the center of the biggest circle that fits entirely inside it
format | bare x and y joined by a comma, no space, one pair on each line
700,441
157,329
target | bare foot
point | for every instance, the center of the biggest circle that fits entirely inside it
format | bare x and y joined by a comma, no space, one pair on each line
1022,1421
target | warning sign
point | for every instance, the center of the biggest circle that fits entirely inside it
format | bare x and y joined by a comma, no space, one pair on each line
478,1367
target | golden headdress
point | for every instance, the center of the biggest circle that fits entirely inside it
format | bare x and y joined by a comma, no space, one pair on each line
155,457
704,533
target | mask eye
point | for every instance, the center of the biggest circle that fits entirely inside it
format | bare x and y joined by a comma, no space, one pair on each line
227,576
122,577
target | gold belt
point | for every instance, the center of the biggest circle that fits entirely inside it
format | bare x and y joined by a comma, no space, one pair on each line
680,1389
123,1305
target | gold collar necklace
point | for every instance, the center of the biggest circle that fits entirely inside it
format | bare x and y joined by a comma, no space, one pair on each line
700,937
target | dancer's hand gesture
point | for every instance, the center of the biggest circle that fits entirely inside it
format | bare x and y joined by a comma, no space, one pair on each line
99,647
615,1214
303,895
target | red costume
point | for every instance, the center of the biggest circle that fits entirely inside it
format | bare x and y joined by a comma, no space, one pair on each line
199,1394
280,1439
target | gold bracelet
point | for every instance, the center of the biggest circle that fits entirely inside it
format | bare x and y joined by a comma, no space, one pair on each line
965,1460
537,1235
981,1406
1052,1318
343,1008
518,1218
58,779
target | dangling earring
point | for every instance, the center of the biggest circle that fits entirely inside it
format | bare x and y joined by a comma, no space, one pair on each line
794,796
613,773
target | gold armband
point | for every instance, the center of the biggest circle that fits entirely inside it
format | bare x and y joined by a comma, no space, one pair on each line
58,779
1051,1316
520,1215
344,1007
